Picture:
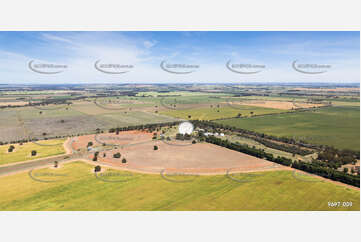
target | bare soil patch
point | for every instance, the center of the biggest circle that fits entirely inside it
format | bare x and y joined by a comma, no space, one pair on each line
13,103
197,158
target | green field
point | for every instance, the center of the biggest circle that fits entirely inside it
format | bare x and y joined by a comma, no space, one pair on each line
23,152
336,126
224,111
76,188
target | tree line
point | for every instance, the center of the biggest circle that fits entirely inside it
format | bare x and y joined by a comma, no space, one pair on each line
313,168
262,138
248,150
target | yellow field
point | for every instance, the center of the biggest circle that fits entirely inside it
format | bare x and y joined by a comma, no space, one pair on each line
23,152
75,187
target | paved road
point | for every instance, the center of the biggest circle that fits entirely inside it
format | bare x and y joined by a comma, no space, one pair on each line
36,163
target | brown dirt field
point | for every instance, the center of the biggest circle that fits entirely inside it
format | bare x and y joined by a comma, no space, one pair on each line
199,158
90,108
277,104
186,106
13,103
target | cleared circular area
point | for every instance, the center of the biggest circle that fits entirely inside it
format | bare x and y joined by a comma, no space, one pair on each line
138,151
197,158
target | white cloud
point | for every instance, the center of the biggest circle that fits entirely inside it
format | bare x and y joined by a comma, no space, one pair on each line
149,44
56,38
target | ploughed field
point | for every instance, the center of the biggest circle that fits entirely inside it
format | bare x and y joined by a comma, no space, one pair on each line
54,121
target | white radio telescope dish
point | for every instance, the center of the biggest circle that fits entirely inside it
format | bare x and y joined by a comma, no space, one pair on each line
185,128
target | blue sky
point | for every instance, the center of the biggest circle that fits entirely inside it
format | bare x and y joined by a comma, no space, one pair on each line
209,50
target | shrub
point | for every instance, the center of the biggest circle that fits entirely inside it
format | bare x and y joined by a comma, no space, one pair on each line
97,169
33,153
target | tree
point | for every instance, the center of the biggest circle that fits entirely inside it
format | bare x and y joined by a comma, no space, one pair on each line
155,147
90,144
345,169
33,153
193,142
117,155
11,148
124,160
97,169
55,164
95,158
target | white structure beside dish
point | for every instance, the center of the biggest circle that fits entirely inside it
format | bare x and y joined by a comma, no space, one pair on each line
185,128
214,134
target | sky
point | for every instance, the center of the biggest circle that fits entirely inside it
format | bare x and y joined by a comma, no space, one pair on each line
83,57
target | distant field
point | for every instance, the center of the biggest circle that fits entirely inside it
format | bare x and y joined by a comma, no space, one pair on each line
225,111
54,121
121,119
178,93
336,126
346,103
23,152
75,183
